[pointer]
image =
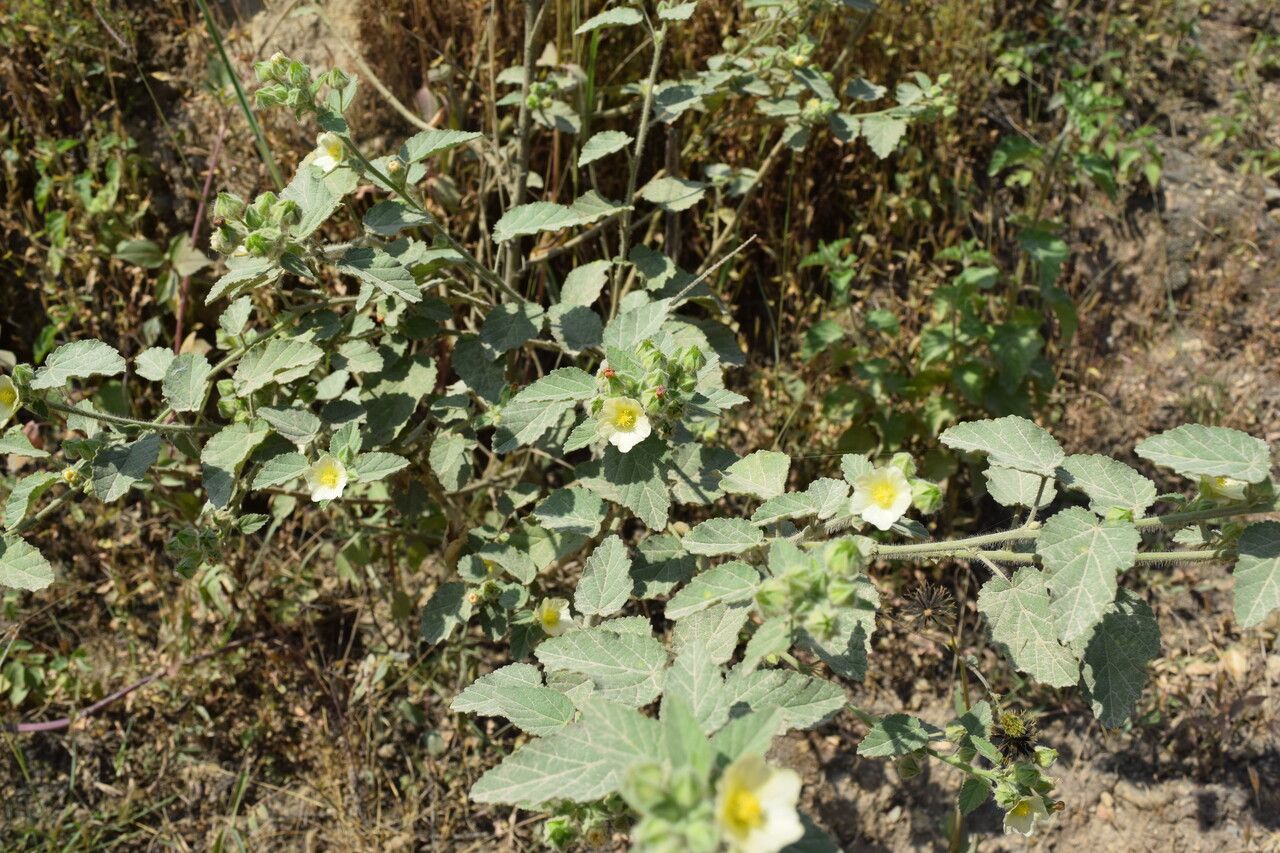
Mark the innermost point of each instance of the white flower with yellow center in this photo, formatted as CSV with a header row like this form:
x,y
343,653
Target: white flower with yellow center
x,y
553,616
881,496
756,806
326,478
1225,487
8,399
1022,818
329,152
624,423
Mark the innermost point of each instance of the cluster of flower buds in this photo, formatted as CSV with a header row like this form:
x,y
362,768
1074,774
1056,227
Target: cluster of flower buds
x,y
540,92
288,82
817,111
677,808
260,229
812,586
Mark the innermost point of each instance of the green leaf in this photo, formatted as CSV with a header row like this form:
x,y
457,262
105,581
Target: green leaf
x,y
565,383
772,638
695,680
231,321
447,608
897,734
1082,557
582,762
22,566
141,253
1019,617
317,196
389,217
625,668
434,141
576,327
630,328
242,274
727,583
1010,487
509,325
1194,450
15,442
534,218
716,628
186,381
973,793
571,510
1108,484
524,421
582,286
677,11
450,459
829,496
516,692
638,476
620,16
1115,661
222,456
369,467
717,536
762,474
600,145
1257,573
153,363
280,360
294,425
748,734
606,579
882,132
790,505
26,492
77,360
696,471
1011,441
804,701
280,469
660,567
673,194
382,270
854,465
481,372
117,468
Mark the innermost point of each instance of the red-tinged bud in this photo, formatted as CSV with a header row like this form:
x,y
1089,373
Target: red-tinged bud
x,y
609,373
660,392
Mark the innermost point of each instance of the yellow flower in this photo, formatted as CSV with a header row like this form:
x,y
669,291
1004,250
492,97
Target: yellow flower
x,y
1225,487
1022,818
329,152
553,616
8,399
624,423
756,806
881,496
326,478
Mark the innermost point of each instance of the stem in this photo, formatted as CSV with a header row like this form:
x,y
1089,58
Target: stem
x,y
120,420
532,16
629,200
972,547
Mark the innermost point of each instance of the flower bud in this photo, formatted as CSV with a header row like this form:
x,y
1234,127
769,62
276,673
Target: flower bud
x,y
228,206
557,832
297,73
1046,756
908,766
